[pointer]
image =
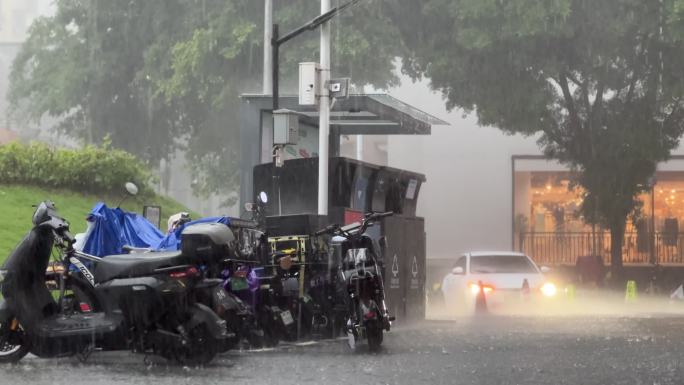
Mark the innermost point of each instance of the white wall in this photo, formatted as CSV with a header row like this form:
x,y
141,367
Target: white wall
x,y
467,198
17,15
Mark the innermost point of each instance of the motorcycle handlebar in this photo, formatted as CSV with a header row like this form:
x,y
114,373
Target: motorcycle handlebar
x,y
368,218
67,237
382,215
326,230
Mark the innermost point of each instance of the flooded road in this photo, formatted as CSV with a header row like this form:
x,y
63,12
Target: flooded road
x,y
643,349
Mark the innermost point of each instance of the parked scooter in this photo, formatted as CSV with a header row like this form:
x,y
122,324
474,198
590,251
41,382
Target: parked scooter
x,y
360,277
268,295
141,303
240,301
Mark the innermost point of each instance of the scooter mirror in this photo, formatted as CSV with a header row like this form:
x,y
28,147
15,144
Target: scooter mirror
x,y
131,188
249,207
263,197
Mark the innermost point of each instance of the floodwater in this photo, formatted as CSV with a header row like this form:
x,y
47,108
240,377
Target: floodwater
x,y
641,346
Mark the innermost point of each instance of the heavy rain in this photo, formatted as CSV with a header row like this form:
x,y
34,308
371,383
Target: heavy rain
x,y
341,191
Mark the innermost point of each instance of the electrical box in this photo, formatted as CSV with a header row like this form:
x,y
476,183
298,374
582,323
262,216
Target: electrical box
x,y
309,83
285,127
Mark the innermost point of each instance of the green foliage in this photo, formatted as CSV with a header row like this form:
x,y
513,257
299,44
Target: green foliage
x,y
16,202
158,75
89,170
601,81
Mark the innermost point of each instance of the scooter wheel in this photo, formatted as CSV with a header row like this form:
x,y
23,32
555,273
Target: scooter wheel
x,y
201,349
13,344
374,335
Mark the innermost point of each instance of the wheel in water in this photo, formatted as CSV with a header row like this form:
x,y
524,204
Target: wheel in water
x,y
201,347
374,335
13,344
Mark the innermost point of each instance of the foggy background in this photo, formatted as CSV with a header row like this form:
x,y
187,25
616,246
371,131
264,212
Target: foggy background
x,y
467,198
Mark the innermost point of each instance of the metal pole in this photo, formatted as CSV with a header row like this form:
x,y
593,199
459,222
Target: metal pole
x,y
275,66
359,147
324,116
268,58
653,229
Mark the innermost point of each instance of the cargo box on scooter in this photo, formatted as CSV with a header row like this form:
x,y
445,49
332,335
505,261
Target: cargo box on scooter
x,y
209,242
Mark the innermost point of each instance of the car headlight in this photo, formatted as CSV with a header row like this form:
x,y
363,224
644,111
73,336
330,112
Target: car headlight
x,y
549,289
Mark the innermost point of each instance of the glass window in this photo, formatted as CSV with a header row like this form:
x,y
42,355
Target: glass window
x,y
501,264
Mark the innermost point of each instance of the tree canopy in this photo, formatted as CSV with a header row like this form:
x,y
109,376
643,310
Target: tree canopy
x,y
600,80
157,75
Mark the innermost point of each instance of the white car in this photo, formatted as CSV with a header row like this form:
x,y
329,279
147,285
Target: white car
x,y
503,276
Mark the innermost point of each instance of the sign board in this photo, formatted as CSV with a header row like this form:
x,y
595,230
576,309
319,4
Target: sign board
x,y
153,214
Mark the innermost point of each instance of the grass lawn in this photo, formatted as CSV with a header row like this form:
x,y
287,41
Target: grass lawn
x,y
16,210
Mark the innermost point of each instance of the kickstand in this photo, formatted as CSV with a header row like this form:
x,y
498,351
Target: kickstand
x,y
85,354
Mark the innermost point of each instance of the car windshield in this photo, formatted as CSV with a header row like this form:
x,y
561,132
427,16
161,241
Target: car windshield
x,y
501,264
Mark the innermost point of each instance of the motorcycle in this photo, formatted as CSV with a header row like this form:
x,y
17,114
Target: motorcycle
x,y
244,298
359,279
145,304
270,294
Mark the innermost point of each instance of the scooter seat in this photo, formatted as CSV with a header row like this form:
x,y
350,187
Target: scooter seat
x,y
94,324
136,265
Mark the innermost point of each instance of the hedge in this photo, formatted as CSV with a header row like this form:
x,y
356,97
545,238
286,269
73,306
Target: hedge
x,y
91,169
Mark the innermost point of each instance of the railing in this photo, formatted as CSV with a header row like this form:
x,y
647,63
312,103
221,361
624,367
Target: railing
x,y
563,248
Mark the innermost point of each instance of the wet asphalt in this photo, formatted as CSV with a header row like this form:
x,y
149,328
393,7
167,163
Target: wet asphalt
x,y
608,349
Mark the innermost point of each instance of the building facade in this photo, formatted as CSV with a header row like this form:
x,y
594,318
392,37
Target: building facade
x,y
488,190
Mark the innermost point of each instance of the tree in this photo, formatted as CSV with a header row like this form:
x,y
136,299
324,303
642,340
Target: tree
x,y
157,75
83,64
600,80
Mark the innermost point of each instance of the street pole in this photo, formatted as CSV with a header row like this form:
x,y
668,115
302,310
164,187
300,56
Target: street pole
x,y
268,59
652,239
324,115
359,147
324,103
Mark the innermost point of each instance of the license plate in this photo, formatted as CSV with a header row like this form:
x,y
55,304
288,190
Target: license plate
x,y
237,284
286,316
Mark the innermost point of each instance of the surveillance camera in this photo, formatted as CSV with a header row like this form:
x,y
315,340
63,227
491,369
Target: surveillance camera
x,y
335,87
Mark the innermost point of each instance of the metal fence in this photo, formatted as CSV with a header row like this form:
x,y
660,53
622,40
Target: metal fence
x,y
563,248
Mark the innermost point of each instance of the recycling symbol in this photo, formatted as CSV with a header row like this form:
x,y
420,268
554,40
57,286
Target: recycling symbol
x,y
395,266
414,267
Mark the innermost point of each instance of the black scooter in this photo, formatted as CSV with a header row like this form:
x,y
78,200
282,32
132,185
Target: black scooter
x,y
359,278
140,303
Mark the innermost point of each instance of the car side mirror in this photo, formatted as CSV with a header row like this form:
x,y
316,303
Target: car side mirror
x,y
544,269
458,270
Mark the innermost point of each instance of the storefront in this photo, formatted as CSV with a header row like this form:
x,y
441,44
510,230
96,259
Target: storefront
x,y
548,224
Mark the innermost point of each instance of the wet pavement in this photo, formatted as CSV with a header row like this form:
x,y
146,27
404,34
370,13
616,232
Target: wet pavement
x,y
639,349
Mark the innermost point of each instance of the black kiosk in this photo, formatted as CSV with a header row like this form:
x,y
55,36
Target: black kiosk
x,y
355,188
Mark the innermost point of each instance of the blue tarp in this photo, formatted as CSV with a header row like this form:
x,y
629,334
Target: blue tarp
x,y
115,228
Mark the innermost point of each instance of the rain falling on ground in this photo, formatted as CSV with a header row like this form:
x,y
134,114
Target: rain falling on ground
x,y
634,343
